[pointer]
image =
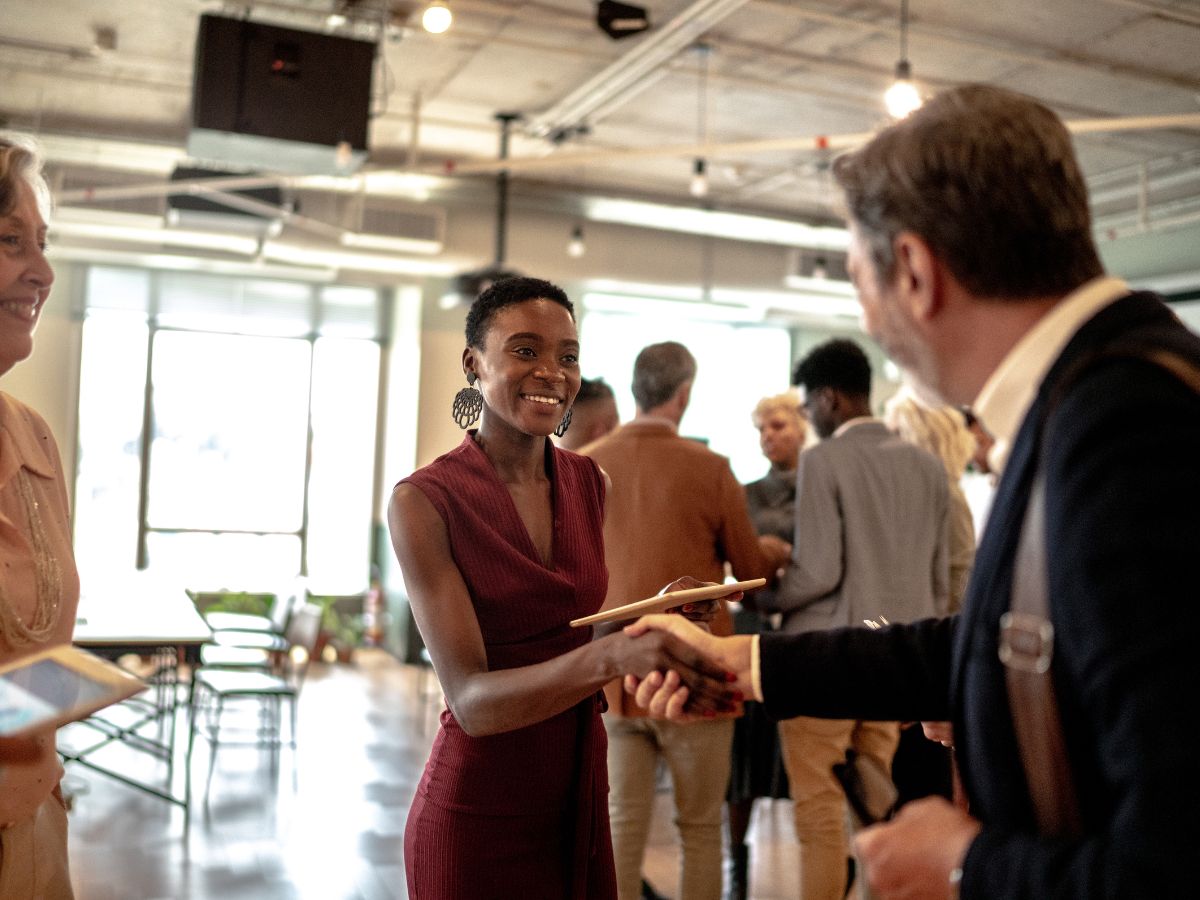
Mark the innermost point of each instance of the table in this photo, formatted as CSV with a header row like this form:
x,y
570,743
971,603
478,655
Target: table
x,y
143,616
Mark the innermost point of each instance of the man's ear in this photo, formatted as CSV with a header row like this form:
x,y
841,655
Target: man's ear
x,y
918,277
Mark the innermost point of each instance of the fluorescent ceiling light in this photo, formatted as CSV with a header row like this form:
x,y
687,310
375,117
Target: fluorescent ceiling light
x,y
643,289
825,286
734,226
142,229
248,268
785,301
364,262
672,309
369,241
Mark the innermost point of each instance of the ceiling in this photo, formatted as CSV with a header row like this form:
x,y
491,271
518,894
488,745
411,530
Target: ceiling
x,y
107,89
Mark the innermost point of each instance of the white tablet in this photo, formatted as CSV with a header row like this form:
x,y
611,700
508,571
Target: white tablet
x,y
56,686
669,600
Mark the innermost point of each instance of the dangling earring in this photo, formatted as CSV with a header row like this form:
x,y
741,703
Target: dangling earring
x,y
565,423
468,403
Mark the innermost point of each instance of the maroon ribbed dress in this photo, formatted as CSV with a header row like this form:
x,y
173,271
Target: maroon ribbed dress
x,y
522,814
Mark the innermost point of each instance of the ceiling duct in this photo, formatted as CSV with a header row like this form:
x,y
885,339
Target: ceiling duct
x,y
247,211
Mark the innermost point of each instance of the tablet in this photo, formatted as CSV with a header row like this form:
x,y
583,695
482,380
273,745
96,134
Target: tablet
x,y
56,686
668,601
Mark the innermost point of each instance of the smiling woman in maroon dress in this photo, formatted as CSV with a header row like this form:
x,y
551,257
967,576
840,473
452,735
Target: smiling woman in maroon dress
x,y
501,546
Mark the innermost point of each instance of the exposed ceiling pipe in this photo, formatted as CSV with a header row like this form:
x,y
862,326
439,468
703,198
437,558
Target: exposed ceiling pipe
x,y
658,47
820,143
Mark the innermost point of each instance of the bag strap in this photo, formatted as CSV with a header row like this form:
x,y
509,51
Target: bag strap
x,y
1027,646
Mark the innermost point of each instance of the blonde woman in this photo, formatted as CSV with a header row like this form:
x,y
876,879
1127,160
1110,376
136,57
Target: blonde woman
x,y
943,432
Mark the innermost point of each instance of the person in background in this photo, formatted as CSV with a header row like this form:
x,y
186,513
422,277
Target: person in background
x,y
942,431
870,544
924,767
39,584
500,542
593,416
979,481
757,766
674,507
972,248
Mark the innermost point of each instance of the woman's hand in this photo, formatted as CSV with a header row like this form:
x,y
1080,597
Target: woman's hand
x,y
702,612
665,696
699,686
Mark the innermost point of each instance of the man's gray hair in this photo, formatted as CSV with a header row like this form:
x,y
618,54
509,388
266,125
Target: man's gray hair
x,y
658,372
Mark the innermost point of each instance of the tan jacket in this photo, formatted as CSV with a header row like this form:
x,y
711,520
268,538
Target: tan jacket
x,y
675,509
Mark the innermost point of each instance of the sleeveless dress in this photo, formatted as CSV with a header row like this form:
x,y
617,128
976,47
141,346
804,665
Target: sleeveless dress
x,y
524,813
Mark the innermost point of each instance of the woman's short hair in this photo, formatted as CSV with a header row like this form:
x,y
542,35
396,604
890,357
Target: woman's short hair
x,y
989,179
506,292
21,162
787,403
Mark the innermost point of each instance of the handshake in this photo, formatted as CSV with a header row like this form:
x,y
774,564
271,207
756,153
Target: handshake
x,y
678,670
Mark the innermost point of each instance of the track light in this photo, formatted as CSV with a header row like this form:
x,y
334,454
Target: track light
x,y
576,247
902,97
437,17
699,186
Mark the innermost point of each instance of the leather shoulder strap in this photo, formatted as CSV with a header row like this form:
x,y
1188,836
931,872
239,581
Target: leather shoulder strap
x,y
1027,644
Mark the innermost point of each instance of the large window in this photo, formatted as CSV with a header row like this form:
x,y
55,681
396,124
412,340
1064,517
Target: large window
x,y
260,400
737,365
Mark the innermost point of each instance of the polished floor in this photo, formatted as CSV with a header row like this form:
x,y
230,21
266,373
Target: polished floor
x,y
327,821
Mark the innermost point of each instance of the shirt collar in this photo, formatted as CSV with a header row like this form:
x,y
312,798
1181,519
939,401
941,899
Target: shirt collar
x,y
851,423
1010,390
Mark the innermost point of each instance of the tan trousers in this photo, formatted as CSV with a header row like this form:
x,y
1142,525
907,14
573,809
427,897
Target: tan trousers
x,y
33,855
811,747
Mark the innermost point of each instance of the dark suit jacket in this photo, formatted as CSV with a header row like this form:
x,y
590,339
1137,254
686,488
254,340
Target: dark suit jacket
x,y
1120,454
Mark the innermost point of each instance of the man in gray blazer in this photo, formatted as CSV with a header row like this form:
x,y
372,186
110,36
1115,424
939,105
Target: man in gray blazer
x,y
870,545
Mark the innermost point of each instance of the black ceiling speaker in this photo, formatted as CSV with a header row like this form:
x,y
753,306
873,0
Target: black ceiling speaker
x,y
279,99
620,20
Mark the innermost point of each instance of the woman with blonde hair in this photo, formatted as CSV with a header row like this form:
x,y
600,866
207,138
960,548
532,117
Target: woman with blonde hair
x,y
757,769
943,432
39,587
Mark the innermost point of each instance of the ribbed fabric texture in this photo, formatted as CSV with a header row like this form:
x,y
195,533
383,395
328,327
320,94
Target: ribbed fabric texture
x,y
522,813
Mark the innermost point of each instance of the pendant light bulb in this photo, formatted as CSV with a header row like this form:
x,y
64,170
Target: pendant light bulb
x,y
437,18
576,247
902,97
699,186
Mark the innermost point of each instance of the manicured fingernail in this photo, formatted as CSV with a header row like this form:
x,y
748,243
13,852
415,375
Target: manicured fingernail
x,y
738,697
731,676
708,713
688,607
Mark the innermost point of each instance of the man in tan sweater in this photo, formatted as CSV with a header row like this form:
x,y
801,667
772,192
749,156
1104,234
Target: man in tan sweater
x,y
675,509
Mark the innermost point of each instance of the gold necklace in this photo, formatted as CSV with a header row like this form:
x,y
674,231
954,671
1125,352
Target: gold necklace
x,y
48,576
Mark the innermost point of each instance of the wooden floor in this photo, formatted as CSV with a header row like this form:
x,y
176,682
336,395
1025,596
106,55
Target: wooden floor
x,y
329,823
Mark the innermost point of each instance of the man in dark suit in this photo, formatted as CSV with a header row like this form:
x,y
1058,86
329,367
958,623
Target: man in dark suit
x,y
972,251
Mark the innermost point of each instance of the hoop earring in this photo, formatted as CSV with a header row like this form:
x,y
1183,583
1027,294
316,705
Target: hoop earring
x,y
565,423
468,404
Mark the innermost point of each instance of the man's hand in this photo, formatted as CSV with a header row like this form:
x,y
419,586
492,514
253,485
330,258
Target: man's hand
x,y
912,856
659,692
777,551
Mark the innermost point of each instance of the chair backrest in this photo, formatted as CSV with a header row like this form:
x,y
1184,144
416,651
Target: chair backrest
x,y
304,629
286,603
